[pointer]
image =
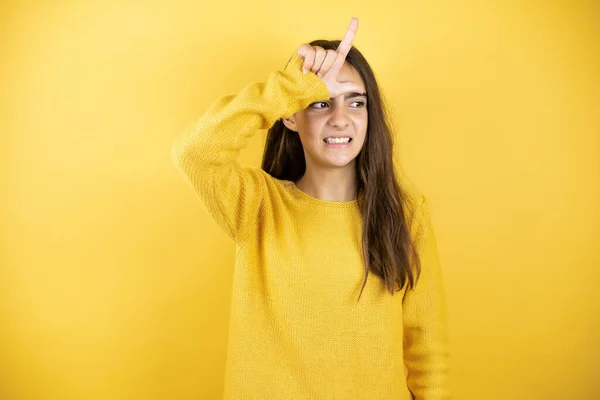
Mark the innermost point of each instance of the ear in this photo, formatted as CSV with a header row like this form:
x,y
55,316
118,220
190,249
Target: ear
x,y
290,123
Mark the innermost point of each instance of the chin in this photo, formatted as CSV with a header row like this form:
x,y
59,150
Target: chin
x,y
339,161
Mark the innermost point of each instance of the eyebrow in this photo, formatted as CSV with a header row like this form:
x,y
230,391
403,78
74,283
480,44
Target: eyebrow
x,y
353,95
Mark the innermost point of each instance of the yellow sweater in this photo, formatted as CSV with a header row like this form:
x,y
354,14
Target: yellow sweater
x,y
296,329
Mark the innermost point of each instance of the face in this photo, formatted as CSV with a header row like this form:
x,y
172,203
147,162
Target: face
x,y
343,116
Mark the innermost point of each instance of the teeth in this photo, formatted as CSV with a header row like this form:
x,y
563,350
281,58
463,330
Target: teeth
x,y
337,140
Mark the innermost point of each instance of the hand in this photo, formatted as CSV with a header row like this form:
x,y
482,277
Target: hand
x,y
327,63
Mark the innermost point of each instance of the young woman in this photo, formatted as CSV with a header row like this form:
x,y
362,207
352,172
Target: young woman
x,y
323,212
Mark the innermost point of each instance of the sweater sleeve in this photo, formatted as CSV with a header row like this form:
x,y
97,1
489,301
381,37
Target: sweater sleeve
x,y
207,152
426,342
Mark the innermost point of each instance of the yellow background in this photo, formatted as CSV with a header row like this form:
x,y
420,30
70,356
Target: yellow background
x,y
114,281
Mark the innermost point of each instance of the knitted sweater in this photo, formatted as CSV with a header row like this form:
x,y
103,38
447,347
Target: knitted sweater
x,y
296,329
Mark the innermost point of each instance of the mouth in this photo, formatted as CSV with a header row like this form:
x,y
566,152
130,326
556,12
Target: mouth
x,y
337,141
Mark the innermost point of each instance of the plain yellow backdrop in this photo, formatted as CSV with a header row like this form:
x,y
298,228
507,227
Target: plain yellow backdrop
x,y
114,281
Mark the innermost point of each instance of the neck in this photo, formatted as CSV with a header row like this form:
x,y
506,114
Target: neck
x,y
334,184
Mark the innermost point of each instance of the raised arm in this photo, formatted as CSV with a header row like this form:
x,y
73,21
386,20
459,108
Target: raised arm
x,y
207,152
426,343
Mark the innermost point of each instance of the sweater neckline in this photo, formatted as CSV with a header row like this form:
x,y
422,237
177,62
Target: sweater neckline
x,y
314,200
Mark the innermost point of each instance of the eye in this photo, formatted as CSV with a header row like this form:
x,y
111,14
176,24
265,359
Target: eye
x,y
360,103
313,105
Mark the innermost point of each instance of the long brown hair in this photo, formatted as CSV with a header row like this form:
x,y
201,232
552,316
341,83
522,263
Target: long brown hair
x,y
387,245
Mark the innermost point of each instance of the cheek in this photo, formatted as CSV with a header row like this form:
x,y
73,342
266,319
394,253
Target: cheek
x,y
310,129
361,126
361,122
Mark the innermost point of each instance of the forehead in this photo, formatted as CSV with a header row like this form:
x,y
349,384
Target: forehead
x,y
349,74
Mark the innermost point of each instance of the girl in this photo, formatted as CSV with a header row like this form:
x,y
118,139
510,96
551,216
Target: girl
x,y
323,212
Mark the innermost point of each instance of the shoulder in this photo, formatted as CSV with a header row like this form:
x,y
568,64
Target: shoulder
x,y
413,201
269,185
417,211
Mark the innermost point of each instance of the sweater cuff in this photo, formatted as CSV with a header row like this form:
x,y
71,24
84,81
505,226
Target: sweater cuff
x,y
316,89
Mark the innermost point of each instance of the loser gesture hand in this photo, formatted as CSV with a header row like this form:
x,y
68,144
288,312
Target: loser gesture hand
x,y
326,64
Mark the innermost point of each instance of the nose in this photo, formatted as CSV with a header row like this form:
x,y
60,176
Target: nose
x,y
339,117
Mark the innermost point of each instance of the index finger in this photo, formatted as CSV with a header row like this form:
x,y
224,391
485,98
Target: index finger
x,y
346,43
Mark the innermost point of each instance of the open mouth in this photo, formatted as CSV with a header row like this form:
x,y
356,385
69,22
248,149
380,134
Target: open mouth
x,y
338,140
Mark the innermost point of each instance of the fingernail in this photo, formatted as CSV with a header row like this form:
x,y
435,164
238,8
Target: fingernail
x,y
304,71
